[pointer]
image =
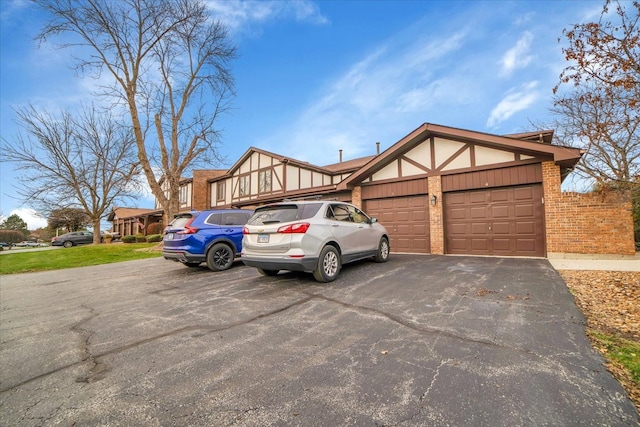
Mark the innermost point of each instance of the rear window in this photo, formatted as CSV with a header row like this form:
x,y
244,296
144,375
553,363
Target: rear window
x,y
283,213
180,221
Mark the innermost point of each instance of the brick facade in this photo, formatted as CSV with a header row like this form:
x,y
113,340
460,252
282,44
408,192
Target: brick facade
x,y
201,191
580,223
436,228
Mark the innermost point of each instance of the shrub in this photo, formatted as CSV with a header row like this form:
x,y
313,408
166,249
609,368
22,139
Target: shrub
x,y
128,239
11,236
153,238
154,228
140,238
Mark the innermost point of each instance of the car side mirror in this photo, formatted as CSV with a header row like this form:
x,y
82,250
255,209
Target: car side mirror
x,y
374,220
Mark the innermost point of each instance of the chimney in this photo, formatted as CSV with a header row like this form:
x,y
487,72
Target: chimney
x,y
340,155
377,148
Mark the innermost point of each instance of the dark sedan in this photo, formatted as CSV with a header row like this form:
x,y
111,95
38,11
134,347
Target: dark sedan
x,y
72,239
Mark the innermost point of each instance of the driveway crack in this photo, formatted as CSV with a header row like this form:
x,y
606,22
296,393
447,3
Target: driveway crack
x,y
415,327
97,370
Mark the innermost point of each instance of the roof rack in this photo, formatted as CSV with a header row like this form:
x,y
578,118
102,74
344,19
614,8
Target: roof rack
x,y
313,197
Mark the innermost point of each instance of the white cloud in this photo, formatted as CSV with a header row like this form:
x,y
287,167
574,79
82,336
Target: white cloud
x,y
362,106
240,15
514,101
518,56
31,217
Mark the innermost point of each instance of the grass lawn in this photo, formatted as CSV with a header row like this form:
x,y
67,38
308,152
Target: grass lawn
x,y
77,256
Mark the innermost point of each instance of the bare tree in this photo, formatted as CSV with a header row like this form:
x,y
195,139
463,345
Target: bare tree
x,y
606,53
169,61
86,162
606,127
601,113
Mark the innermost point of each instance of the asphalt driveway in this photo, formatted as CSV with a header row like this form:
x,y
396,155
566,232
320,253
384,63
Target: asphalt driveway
x,y
418,341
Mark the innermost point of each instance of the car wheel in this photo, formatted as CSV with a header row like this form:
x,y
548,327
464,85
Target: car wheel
x,y
268,272
383,250
220,257
328,265
192,264
67,244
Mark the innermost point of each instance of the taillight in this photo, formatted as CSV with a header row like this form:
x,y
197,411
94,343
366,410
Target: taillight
x,y
245,230
299,227
188,229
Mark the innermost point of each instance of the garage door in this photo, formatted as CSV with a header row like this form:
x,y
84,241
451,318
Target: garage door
x,y
501,221
406,219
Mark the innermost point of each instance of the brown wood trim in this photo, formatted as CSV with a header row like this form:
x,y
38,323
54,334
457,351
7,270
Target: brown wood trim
x,y
453,156
414,163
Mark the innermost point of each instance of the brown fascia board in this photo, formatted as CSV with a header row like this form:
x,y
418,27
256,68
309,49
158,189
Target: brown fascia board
x,y
565,156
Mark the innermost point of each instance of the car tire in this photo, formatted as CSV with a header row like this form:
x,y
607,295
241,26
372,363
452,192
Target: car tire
x,y
220,257
383,250
329,265
268,272
192,264
67,244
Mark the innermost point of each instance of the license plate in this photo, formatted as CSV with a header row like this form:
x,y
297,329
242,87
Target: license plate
x,y
263,238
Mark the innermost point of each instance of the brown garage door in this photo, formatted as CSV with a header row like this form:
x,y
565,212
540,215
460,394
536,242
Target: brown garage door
x,y
500,221
406,219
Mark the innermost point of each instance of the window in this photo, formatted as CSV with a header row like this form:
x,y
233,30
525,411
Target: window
x,y
243,186
235,218
183,195
264,181
220,189
357,215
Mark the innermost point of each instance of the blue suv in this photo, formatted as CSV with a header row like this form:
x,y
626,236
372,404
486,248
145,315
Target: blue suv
x,y
212,236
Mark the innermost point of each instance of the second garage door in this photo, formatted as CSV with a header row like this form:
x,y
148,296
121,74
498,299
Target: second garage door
x,y
406,219
500,221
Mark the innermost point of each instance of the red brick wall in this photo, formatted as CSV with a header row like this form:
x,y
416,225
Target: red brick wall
x,y
201,192
585,223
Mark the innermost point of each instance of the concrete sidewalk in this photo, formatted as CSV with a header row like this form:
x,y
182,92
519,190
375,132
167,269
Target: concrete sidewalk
x,y
595,262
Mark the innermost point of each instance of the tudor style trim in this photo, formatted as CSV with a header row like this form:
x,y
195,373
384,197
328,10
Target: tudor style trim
x,y
461,141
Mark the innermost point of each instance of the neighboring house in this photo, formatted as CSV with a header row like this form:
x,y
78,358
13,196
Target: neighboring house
x,y
443,190
131,221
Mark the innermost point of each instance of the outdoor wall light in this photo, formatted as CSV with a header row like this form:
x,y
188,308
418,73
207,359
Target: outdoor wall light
x,y
434,200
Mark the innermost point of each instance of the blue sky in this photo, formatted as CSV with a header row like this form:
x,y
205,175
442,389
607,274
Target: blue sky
x,y
314,77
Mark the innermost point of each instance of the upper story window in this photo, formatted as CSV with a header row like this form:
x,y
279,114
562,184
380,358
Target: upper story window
x,y
243,185
184,195
220,190
264,181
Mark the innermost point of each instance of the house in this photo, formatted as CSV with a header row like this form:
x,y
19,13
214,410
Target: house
x,y
444,190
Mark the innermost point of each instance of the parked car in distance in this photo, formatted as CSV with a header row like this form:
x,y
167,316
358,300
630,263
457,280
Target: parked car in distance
x,y
72,239
27,244
311,236
211,236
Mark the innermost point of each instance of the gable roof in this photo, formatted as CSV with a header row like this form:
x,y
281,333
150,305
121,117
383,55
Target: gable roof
x,y
525,142
348,165
127,213
335,168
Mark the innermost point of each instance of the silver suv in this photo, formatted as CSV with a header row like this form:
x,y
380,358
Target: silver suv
x,y
311,236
